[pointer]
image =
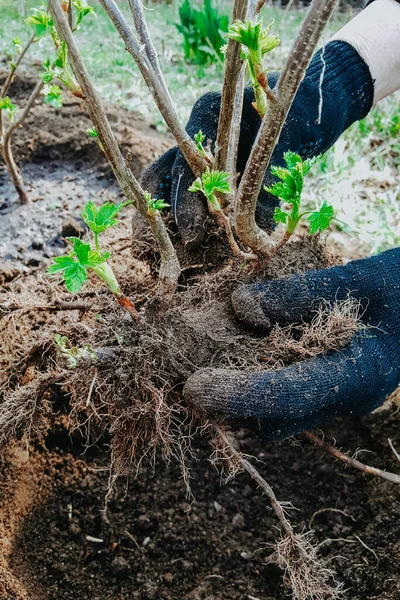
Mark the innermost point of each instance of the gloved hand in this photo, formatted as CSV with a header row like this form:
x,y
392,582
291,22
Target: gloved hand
x,y
353,381
337,90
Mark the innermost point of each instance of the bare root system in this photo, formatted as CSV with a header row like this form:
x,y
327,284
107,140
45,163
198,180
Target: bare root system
x,y
131,395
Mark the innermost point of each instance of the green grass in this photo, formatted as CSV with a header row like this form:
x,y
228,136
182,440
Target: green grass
x,y
114,71
359,176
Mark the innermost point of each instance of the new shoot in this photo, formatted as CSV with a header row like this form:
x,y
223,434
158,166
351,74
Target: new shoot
x,y
73,354
256,42
289,190
82,258
211,183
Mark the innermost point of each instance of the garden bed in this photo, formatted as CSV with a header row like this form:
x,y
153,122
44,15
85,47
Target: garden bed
x,y
155,542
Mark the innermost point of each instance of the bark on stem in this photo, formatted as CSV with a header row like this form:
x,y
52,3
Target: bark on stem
x,y
6,149
254,7
233,65
170,268
272,124
144,35
15,173
352,462
197,163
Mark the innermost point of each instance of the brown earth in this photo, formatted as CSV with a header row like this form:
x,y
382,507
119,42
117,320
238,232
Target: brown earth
x,y
155,542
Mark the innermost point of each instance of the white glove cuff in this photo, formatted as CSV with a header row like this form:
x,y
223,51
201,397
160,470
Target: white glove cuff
x,y
375,34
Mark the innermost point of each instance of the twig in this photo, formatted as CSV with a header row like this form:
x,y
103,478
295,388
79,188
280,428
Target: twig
x,y
58,305
139,19
13,69
6,150
170,268
233,65
5,136
352,462
272,124
197,162
70,23
253,9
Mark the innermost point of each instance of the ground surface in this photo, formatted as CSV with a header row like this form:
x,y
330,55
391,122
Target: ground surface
x,y
160,545
156,544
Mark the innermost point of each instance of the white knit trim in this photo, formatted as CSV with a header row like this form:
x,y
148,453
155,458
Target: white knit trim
x,y
375,34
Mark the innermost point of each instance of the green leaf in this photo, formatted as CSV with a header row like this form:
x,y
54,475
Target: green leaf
x,y
8,106
199,139
74,277
281,172
292,159
284,191
61,56
196,186
100,219
320,220
255,39
17,44
92,132
74,266
280,216
83,9
215,182
74,274
53,95
59,264
41,21
308,163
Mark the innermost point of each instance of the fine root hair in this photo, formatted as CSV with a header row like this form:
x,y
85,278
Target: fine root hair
x,y
331,328
307,575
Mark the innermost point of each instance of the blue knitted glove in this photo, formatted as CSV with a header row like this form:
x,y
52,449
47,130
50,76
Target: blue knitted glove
x,y
354,381
347,94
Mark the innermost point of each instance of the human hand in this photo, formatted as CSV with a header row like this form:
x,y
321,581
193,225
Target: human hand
x,y
353,381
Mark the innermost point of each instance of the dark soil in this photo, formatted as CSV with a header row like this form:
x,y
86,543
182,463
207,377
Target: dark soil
x,y
160,545
155,543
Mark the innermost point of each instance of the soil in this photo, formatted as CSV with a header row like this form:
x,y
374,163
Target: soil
x,y
154,541
63,168
158,544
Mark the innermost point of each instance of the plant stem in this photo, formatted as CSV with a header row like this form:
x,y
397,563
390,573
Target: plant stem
x,y
254,7
96,242
233,65
272,124
10,78
223,221
142,30
170,268
20,58
14,172
6,150
126,304
70,23
197,163
352,462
